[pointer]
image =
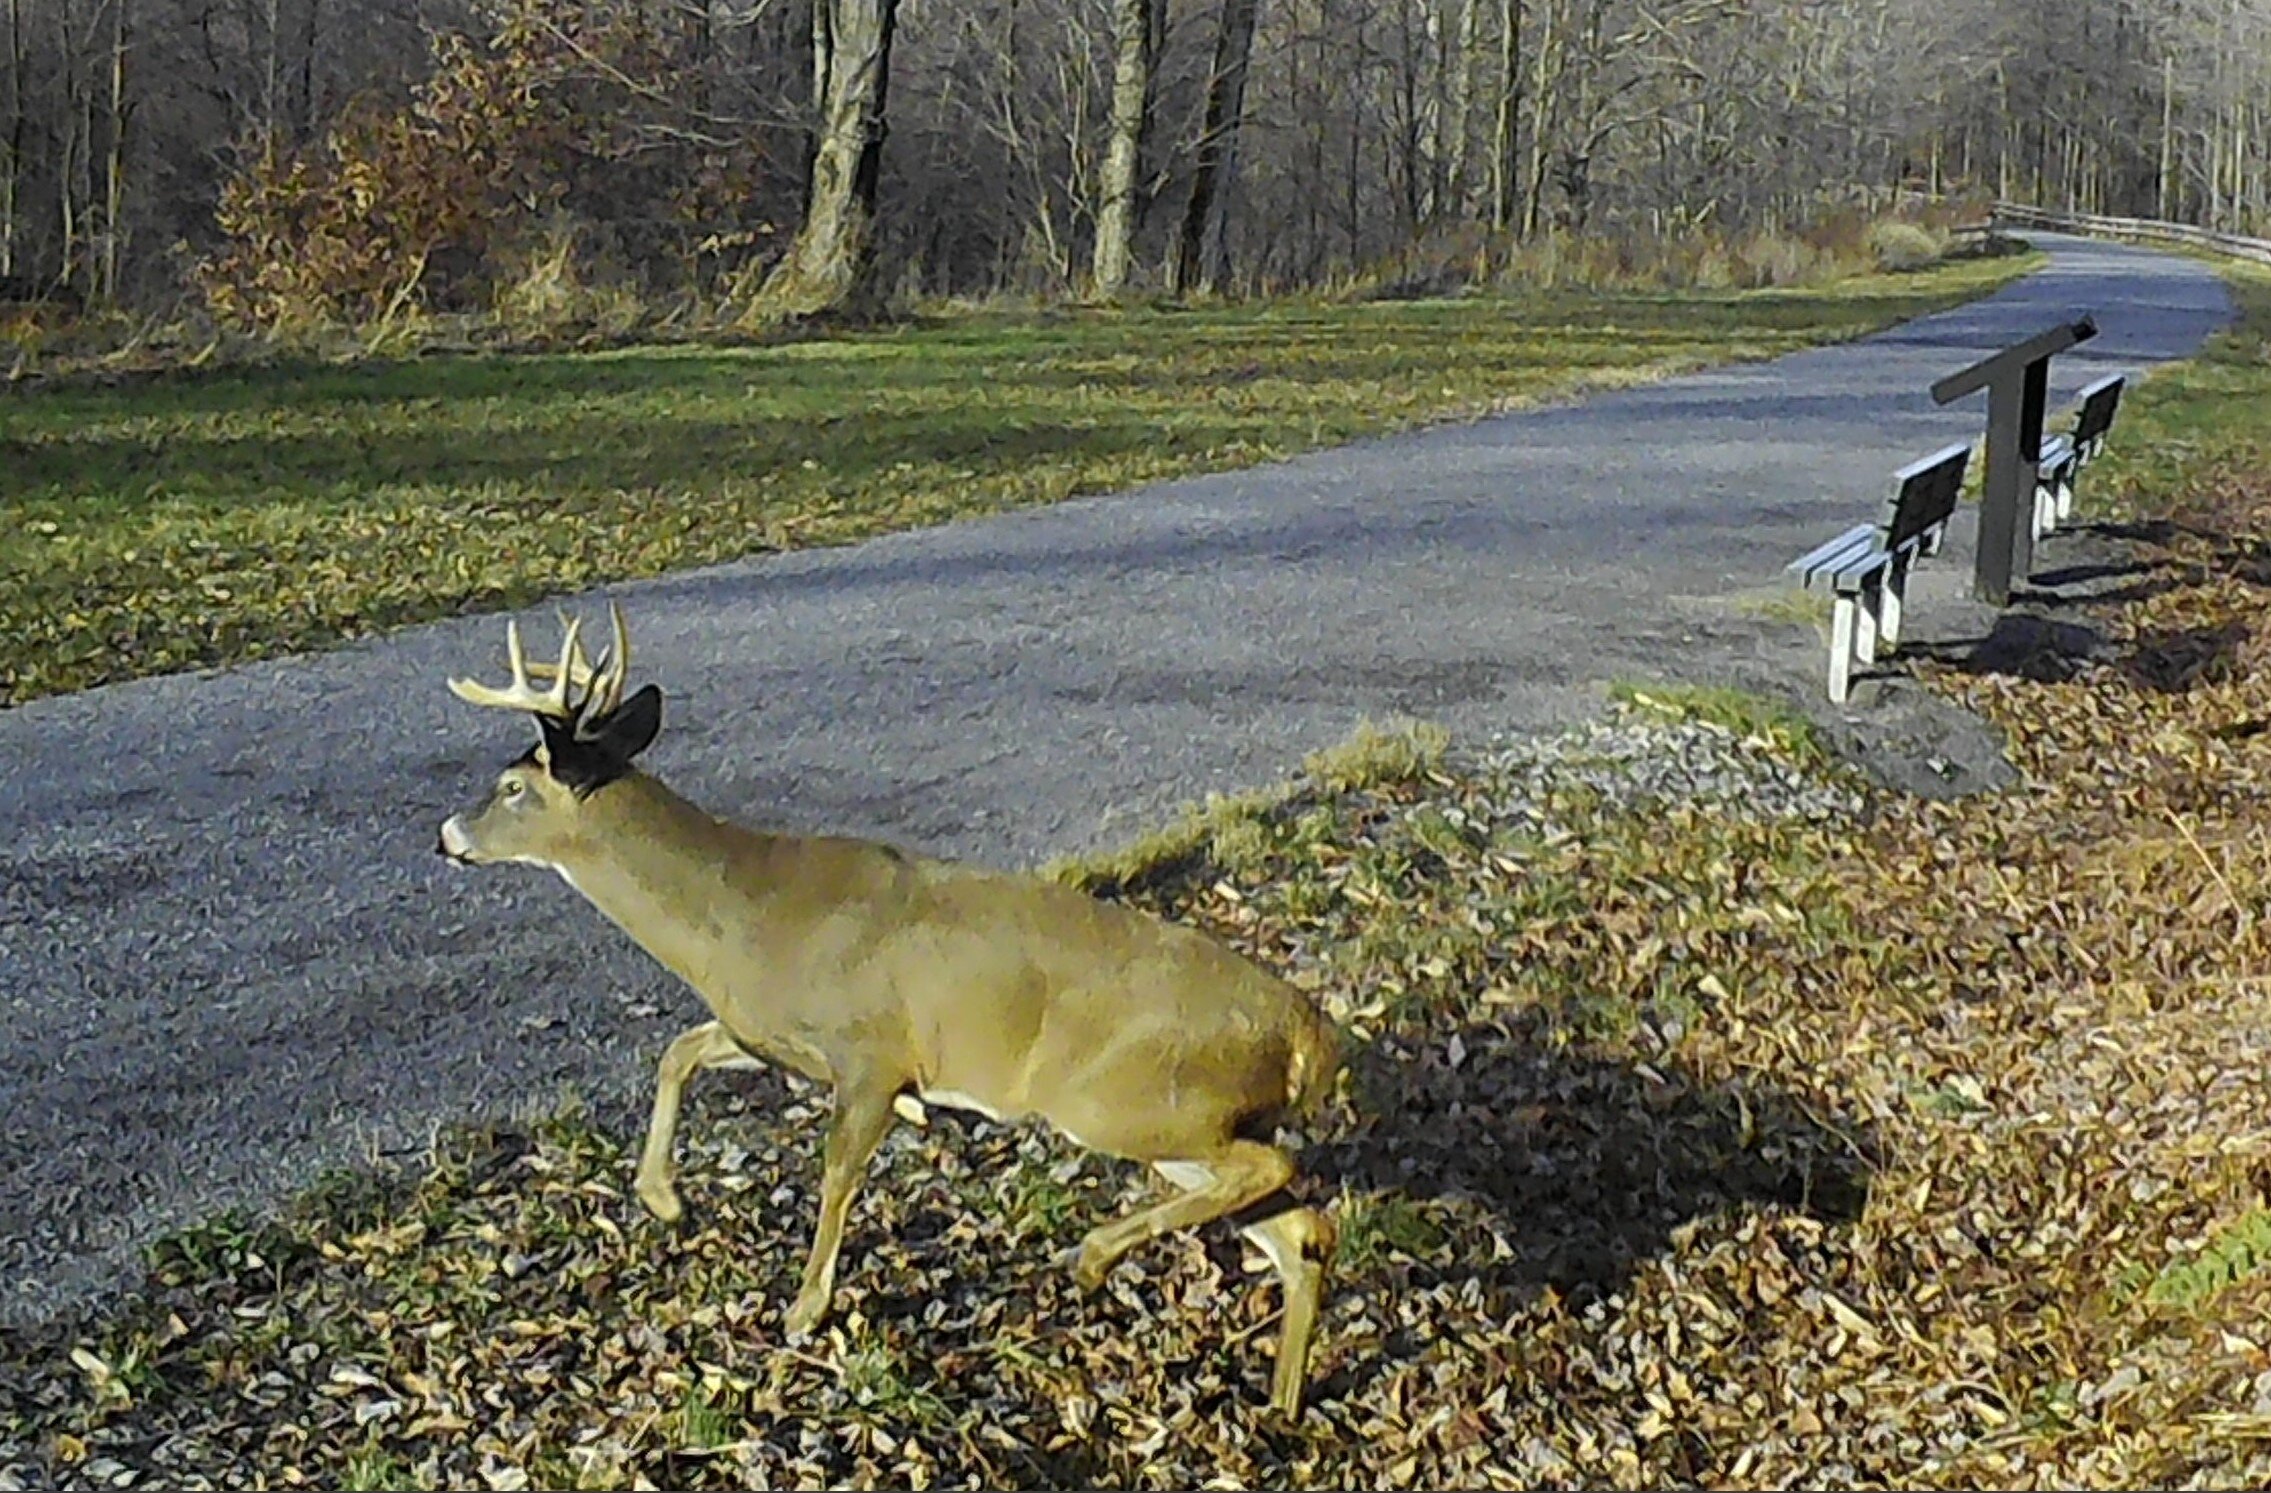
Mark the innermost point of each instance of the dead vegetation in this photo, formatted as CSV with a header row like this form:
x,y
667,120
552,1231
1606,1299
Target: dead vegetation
x,y
1688,1144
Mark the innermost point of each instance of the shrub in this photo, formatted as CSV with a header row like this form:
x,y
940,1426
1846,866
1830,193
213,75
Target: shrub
x,y
395,206
1776,259
1896,245
549,291
522,154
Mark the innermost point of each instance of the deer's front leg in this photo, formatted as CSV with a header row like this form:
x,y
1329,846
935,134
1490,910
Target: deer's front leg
x,y
706,1046
862,1118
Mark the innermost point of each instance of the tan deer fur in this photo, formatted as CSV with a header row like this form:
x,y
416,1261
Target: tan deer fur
x,y
889,975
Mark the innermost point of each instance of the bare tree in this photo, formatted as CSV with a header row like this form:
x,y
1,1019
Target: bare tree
x,y
1458,109
1194,268
114,160
1030,137
831,264
1134,23
1505,113
17,138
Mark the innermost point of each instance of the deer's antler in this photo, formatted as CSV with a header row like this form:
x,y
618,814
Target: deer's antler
x,y
578,692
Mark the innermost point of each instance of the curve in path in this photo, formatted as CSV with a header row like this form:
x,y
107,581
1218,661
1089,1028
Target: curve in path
x,y
229,956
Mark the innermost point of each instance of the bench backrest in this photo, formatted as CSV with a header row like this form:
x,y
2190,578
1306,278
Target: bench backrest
x,y
1925,495
2099,401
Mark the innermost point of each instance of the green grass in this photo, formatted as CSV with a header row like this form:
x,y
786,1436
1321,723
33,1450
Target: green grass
x,y
1376,1227
198,519
2208,418
1234,831
1736,710
2234,1252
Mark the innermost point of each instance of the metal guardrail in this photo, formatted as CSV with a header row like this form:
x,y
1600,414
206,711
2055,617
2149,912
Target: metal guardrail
x,y
2143,230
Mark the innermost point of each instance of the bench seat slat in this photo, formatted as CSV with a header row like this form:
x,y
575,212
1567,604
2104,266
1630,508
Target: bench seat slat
x,y
1854,572
1831,564
1846,540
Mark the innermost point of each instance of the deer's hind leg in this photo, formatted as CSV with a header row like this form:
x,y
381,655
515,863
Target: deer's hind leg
x,y
1298,1241
1242,1173
863,1114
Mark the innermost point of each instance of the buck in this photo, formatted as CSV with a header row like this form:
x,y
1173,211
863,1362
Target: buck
x,y
900,981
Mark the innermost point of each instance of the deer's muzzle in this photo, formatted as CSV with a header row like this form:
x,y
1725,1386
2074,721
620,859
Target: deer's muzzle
x,y
454,842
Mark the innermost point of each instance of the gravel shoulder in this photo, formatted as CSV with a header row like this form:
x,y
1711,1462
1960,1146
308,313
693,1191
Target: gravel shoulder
x,y
229,958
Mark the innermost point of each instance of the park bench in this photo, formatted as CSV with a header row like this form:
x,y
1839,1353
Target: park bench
x,y
1866,568
2065,455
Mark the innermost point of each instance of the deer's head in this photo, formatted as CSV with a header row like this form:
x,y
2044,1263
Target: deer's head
x,y
587,736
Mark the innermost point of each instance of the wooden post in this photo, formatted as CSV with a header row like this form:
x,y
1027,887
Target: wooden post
x,y
2017,381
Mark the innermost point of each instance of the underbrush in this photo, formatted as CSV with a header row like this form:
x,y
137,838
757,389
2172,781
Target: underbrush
x,y
1677,256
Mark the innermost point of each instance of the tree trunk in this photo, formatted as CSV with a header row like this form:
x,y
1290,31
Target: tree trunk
x,y
808,39
1354,185
271,71
1194,269
1458,132
1131,108
1505,119
2003,136
1427,107
19,121
305,117
114,163
70,196
831,265
1542,86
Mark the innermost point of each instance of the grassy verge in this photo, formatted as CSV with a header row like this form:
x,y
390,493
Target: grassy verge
x,y
1704,1130
202,519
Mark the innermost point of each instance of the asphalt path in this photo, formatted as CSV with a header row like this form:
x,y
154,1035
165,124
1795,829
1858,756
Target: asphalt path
x,y
230,958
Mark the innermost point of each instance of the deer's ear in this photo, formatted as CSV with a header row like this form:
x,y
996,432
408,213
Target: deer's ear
x,y
556,741
630,728
585,759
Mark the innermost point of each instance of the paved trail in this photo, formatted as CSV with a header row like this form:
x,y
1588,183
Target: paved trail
x,y
229,955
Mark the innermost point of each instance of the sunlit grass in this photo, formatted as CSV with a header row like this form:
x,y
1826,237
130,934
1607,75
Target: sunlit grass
x,y
197,519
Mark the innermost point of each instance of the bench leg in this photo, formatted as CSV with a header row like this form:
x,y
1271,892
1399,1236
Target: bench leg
x,y
2066,497
1866,617
1895,598
1841,649
2045,506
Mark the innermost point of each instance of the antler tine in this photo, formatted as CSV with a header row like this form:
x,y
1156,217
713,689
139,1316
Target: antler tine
x,y
522,693
615,664
603,684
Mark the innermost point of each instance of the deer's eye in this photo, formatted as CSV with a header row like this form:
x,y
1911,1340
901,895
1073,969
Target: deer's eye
x,y
513,788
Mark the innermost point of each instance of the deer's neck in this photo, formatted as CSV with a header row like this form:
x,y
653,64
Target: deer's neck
x,y
679,880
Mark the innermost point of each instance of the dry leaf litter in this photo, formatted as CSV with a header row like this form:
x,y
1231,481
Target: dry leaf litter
x,y
1712,1123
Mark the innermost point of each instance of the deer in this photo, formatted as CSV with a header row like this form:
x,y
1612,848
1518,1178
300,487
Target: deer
x,y
899,980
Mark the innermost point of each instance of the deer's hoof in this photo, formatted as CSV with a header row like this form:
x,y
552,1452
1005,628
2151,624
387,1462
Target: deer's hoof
x,y
661,1199
804,1315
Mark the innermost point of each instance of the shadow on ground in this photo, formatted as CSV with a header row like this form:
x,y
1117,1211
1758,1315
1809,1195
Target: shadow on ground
x,y
1589,1164
2041,636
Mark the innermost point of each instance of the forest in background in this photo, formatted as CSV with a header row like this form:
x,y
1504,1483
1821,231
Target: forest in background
x,y
289,162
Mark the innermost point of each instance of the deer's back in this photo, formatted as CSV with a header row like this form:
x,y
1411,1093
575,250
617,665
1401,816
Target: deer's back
x,y
1030,996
